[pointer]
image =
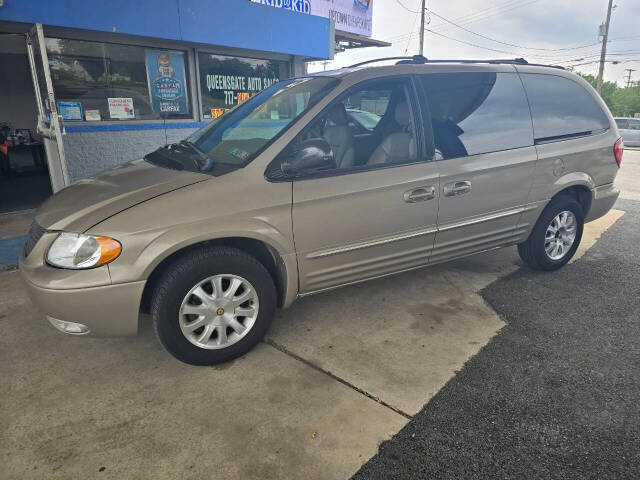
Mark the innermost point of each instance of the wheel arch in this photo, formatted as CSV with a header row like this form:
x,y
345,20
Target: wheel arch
x,y
282,274
579,186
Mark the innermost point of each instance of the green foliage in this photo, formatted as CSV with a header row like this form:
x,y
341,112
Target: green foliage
x,y
626,101
623,102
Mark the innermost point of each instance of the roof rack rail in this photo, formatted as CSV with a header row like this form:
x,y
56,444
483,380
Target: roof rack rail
x,y
419,59
519,61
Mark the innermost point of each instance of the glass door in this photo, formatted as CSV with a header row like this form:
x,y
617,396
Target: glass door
x,y
50,124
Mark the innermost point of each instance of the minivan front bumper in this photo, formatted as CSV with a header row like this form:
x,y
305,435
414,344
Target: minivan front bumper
x,y
604,197
110,310
83,297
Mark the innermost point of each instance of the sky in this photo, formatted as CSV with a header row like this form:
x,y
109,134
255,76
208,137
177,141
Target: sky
x,y
541,31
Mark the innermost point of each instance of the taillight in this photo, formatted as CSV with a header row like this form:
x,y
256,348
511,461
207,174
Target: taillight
x,y
618,150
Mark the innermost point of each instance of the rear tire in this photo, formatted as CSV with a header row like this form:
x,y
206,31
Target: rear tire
x,y
212,282
548,250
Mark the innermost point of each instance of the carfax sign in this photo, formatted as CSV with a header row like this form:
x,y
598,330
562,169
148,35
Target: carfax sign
x,y
349,15
167,86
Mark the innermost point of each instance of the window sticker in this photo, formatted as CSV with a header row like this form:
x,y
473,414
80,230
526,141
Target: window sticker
x,y
70,111
121,108
238,153
92,115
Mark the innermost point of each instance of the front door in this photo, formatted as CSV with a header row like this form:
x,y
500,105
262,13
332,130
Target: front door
x,y
49,123
484,145
375,213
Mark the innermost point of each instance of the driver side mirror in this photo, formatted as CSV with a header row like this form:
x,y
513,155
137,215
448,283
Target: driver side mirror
x,y
314,155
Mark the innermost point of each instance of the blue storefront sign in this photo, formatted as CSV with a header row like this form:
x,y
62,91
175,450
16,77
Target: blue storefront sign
x,y
167,85
70,111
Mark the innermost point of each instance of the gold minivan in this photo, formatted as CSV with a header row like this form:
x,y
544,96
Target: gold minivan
x,y
323,181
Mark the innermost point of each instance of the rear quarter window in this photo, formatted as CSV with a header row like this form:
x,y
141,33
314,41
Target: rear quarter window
x,y
561,107
477,112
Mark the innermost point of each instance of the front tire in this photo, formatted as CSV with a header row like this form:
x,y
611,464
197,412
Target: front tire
x,y
556,235
212,305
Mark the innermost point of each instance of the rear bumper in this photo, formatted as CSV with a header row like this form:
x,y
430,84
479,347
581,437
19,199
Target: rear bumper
x,y
604,197
110,310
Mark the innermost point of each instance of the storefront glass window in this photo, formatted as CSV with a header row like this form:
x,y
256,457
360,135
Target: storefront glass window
x,y
103,81
227,81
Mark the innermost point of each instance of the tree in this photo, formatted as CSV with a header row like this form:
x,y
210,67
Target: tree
x,y
626,101
607,91
623,102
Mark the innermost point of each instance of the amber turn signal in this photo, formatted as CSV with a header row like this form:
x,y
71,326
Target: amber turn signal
x,y
109,249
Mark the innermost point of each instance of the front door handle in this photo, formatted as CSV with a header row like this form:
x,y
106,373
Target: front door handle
x,y
457,188
421,194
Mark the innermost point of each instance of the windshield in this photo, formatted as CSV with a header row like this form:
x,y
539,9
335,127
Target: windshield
x,y
237,137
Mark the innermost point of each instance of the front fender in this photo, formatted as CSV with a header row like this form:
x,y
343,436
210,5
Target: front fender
x,y
155,247
143,252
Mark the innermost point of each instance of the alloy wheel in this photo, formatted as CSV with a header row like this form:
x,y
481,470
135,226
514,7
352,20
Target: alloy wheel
x,y
218,311
560,235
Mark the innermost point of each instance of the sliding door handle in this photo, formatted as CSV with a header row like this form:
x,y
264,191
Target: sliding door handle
x,y
457,188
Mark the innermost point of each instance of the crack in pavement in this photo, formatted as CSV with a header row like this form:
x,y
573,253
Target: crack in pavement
x,y
284,350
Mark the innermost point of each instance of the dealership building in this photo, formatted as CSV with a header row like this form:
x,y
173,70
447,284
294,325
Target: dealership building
x,y
88,85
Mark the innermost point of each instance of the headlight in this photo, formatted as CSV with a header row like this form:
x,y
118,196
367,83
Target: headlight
x,y
77,251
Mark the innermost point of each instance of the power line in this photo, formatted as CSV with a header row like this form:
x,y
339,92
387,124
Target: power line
x,y
487,13
472,17
406,8
564,55
615,62
507,43
469,43
509,52
559,58
415,19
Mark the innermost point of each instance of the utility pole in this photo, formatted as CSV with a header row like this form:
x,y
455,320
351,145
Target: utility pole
x,y
603,53
422,14
630,70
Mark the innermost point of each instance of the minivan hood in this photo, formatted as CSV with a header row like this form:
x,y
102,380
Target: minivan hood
x,y
88,202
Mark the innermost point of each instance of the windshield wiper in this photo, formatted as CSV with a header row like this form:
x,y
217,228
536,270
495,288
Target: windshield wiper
x,y
206,162
194,148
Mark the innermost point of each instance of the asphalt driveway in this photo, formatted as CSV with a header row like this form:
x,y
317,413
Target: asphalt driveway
x,y
556,394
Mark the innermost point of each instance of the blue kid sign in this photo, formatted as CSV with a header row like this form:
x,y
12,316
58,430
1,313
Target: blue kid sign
x,y
167,87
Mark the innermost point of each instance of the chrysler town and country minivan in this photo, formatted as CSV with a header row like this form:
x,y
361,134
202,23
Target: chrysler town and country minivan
x,y
288,194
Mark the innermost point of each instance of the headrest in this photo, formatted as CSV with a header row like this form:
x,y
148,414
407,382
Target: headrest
x,y
338,115
402,114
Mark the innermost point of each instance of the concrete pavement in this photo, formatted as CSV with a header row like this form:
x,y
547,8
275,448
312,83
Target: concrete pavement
x,y
628,179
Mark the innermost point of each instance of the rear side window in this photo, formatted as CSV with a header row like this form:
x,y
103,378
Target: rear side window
x,y
622,122
561,108
477,112
634,125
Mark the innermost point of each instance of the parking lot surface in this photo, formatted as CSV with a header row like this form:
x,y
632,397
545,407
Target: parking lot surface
x,y
555,395
338,373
